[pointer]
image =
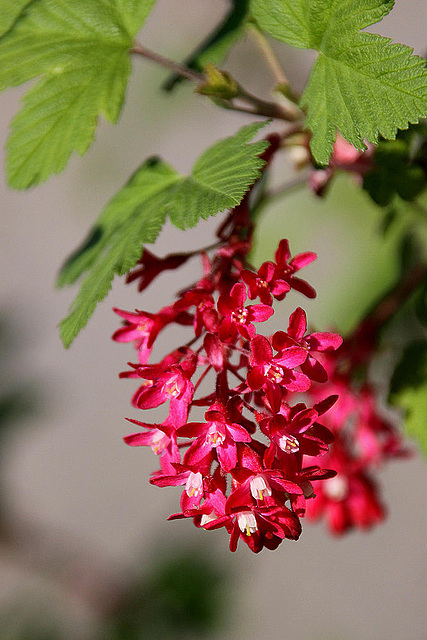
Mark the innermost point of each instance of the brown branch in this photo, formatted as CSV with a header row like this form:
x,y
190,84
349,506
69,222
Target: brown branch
x,y
268,54
259,106
177,68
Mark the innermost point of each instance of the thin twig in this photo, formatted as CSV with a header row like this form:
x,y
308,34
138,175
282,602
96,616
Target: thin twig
x,y
284,189
179,69
271,109
260,107
269,55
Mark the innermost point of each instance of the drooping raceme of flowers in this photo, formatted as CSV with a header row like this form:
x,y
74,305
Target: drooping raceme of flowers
x,y
242,463
256,459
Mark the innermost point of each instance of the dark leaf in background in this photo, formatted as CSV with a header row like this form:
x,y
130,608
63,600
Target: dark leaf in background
x,y
400,167
421,304
183,596
388,221
408,390
16,405
379,186
216,46
18,396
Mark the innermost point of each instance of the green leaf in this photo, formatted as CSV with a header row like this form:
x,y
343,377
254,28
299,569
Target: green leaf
x,y
220,178
361,84
218,181
80,50
134,13
9,12
217,45
408,390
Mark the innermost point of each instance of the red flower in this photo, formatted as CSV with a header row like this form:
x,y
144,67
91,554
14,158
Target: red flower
x,y
265,283
152,266
143,328
296,430
206,316
287,266
162,440
259,527
229,478
217,433
237,317
349,500
257,486
295,336
276,370
163,385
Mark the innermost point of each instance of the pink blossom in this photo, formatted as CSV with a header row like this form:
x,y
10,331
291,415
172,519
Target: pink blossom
x,y
162,385
296,336
162,440
265,284
287,266
217,433
277,370
237,317
256,489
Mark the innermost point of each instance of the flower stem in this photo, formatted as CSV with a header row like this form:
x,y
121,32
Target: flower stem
x,y
202,377
271,109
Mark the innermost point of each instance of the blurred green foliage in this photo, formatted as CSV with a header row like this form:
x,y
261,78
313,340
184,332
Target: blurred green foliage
x,y
400,167
182,596
408,390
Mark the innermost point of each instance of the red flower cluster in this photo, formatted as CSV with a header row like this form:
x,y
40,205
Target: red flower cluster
x,y
243,465
364,440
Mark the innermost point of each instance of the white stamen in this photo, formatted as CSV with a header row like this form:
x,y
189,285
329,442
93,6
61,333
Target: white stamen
x,y
247,522
260,488
194,485
262,283
289,444
207,517
240,315
171,387
273,372
156,442
142,326
215,437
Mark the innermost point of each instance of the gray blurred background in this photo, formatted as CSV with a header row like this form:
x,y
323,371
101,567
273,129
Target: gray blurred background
x,y
85,519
